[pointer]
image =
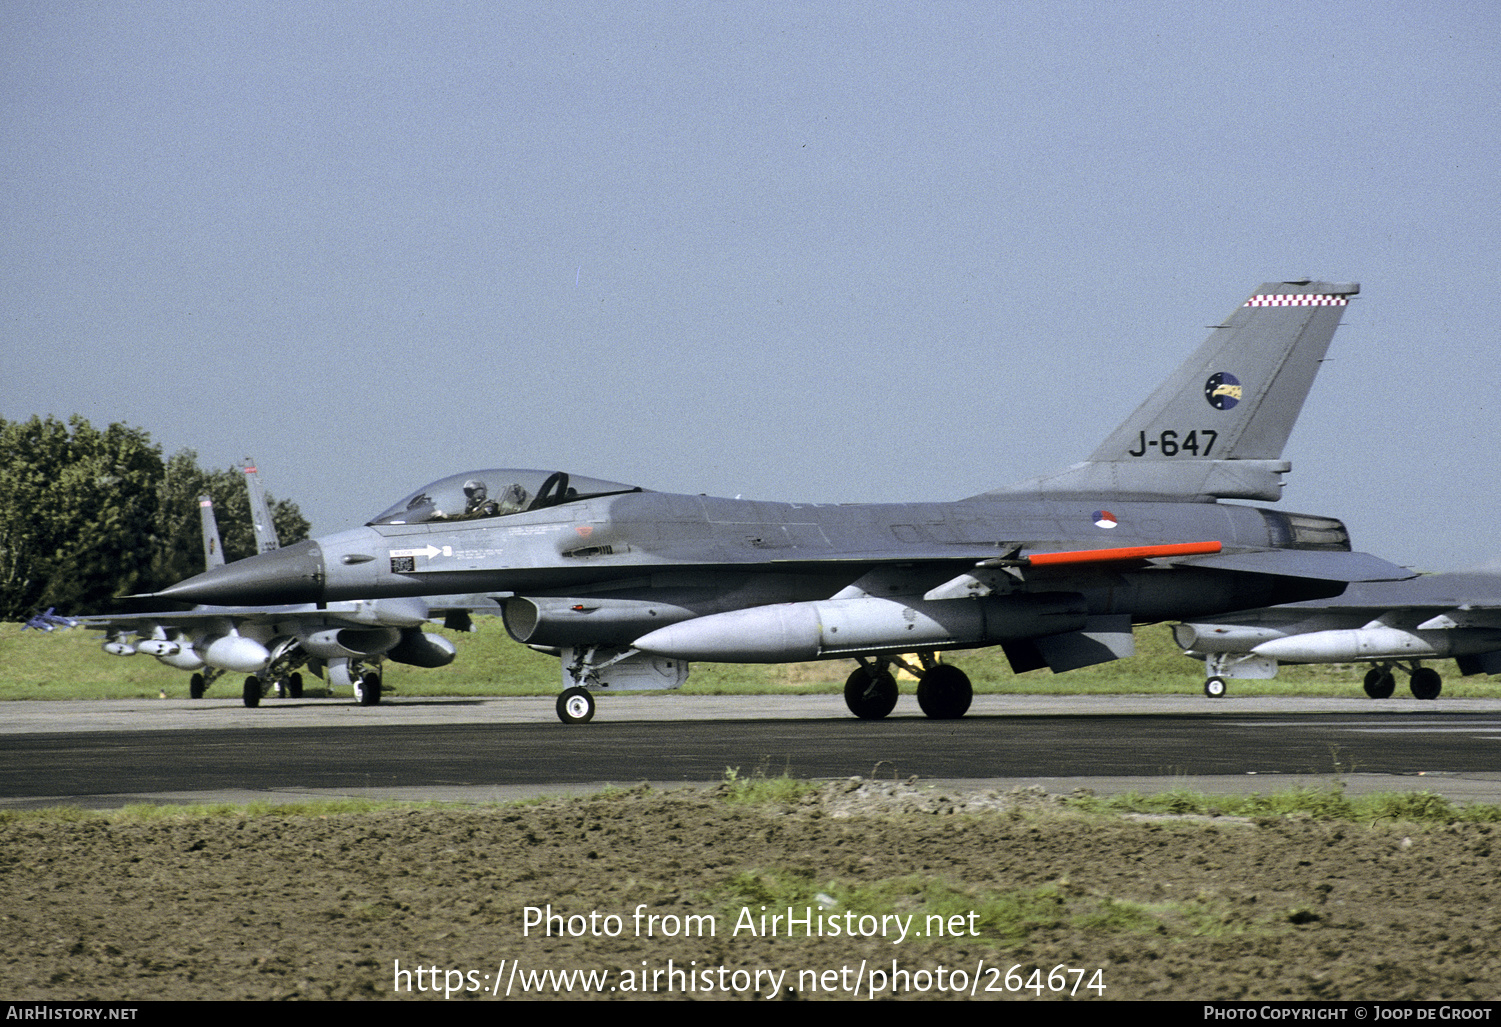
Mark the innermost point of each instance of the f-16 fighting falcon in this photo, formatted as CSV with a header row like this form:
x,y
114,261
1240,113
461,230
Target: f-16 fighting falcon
x,y
1391,624
627,586
345,642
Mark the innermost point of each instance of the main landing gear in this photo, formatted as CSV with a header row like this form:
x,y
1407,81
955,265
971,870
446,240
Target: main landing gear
x,y
288,687
943,691
1425,683
1380,683
870,693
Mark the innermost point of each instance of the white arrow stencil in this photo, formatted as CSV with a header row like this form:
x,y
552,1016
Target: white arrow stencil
x,y
428,551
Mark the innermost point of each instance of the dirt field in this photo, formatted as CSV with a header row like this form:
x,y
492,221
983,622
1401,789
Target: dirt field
x,y
342,906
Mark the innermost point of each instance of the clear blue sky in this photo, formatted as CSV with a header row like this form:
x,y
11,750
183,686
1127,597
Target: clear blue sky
x,y
801,251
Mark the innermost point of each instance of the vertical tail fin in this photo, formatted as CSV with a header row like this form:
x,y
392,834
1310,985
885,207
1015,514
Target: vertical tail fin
x,y
1216,428
260,511
213,549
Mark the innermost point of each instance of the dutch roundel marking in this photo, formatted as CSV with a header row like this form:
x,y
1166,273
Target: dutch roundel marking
x,y
1104,519
1222,390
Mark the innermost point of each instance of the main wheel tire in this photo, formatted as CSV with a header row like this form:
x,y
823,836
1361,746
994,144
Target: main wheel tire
x,y
196,686
870,697
576,706
1380,683
1215,688
944,693
252,693
294,686
1426,684
368,690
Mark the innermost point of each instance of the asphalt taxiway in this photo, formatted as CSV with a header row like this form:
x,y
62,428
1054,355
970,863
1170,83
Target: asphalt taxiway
x,y
108,753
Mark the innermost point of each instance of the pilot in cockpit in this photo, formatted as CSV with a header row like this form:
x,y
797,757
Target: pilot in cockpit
x,y
476,502
513,499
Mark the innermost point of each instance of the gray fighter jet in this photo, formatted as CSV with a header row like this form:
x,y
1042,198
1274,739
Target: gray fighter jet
x,y
1391,624
344,642
628,586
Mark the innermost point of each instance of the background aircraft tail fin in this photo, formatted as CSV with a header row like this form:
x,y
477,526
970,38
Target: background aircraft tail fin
x,y
1216,428
260,512
213,549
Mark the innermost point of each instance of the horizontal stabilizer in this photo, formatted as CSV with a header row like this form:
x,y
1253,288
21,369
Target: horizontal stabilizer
x,y
1485,663
1484,617
1304,563
1101,640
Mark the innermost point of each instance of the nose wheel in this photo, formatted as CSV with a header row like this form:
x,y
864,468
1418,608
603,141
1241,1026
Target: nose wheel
x,y
367,688
576,706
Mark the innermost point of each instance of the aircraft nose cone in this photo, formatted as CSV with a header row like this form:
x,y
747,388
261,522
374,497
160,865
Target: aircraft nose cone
x,y
293,574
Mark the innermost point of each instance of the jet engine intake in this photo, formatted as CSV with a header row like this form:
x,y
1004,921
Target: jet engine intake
x,y
350,643
423,649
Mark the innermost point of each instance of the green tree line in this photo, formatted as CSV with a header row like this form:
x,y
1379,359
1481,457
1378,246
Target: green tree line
x,y
89,515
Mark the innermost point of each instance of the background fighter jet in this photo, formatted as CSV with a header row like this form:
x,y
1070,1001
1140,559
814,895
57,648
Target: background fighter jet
x,y
627,585
1392,624
344,642
48,620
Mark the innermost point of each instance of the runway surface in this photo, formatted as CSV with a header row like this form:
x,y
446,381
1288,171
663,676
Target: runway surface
x,y
109,753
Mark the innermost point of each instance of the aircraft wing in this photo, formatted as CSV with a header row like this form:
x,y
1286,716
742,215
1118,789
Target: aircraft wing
x,y
399,613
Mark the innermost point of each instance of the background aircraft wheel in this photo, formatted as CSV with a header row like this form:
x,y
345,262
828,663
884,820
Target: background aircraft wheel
x,y
944,693
367,690
576,706
1426,684
870,698
1380,683
196,686
1215,688
252,691
294,686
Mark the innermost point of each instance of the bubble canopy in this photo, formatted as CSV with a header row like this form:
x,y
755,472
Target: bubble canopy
x,y
495,493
